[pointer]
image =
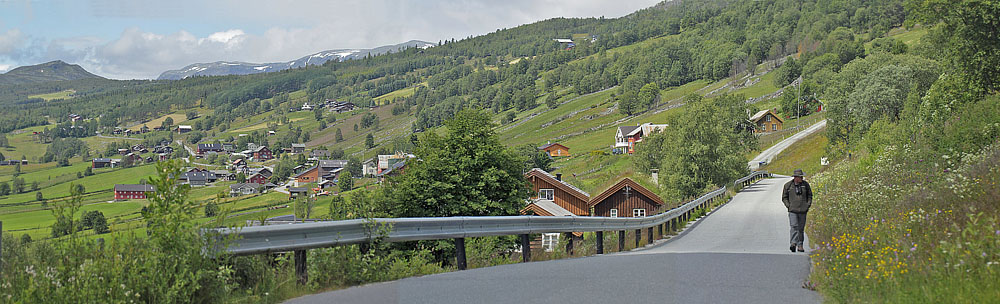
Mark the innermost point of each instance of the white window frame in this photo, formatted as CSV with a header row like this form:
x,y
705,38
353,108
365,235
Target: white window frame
x,y
767,117
613,213
549,241
639,212
774,127
551,194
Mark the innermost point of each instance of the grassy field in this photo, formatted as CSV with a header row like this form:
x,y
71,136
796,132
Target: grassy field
x,y
178,118
99,182
55,95
401,93
803,155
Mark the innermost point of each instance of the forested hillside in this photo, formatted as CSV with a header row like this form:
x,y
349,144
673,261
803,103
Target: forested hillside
x,y
692,40
909,90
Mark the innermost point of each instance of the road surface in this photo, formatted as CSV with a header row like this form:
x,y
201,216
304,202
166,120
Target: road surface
x,y
768,155
736,254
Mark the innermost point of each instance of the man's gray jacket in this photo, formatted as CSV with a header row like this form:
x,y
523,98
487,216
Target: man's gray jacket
x,y
797,197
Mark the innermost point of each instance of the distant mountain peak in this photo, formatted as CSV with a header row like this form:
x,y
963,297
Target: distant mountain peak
x,y
219,68
56,70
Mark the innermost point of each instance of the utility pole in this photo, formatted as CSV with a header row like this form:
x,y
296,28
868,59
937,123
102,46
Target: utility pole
x,y
798,108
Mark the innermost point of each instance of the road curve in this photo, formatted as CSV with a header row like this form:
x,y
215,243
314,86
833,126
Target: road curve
x,y
737,254
772,152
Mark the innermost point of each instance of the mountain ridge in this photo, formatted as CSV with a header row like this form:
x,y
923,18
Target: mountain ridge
x,y
219,68
56,70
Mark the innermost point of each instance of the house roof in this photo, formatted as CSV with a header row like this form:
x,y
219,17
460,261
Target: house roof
x,y
626,130
102,160
184,127
210,146
572,190
547,208
337,163
220,172
259,148
198,176
244,185
761,114
631,184
563,40
298,145
394,167
135,187
298,190
546,146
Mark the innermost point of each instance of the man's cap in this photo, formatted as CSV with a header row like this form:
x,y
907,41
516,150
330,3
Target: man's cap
x,y
798,172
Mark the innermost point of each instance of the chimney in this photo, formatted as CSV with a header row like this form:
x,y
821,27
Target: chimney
x,y
559,176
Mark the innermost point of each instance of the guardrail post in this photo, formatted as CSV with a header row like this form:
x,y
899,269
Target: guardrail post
x,y
460,253
300,267
660,229
638,237
569,243
649,235
1,240
600,242
525,248
621,240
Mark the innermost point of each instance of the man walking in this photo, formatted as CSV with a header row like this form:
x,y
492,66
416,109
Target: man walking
x,y
797,196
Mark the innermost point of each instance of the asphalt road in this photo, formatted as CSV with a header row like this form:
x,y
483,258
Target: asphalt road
x,y
772,152
736,254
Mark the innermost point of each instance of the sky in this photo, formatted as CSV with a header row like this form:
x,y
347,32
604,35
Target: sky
x,y
139,39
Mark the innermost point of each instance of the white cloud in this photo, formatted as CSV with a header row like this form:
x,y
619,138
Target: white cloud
x,y
10,41
295,29
5,67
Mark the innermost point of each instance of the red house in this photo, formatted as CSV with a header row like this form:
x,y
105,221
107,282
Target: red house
x,y
132,191
257,179
262,153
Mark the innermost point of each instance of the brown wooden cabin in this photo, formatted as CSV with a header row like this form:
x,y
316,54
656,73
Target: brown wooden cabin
x,y
555,149
766,121
548,188
554,197
626,199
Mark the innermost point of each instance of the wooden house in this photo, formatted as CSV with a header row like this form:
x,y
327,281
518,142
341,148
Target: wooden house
x,y
626,199
766,121
554,197
628,137
555,149
262,153
132,191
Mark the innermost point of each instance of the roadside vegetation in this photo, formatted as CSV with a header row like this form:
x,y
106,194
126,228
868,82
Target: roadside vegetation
x,y
911,213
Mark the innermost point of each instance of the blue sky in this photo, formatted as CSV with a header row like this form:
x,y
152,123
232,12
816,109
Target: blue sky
x,y
138,39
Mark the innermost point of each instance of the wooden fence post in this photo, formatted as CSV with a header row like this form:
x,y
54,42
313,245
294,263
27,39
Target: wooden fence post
x,y
525,248
460,253
621,240
600,242
300,267
649,235
638,237
569,243
659,229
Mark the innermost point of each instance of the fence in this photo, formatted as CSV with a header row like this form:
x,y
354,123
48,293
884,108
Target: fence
x,y
304,236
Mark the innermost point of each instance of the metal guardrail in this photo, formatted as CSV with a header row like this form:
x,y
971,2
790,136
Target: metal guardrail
x,y
750,178
304,236
280,238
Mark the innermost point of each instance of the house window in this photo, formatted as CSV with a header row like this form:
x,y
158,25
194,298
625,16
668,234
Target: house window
x,y
774,127
546,194
767,117
614,212
549,241
638,212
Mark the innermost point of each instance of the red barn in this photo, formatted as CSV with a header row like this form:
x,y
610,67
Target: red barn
x,y
132,191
